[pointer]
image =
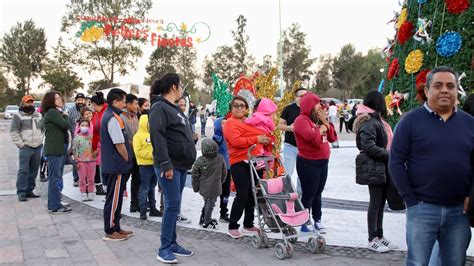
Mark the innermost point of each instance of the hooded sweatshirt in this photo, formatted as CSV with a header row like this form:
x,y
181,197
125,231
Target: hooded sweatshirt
x,y
142,143
362,109
82,147
219,139
311,144
209,171
262,118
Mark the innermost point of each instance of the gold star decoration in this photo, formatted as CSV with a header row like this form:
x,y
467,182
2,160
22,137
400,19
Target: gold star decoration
x,y
183,27
198,39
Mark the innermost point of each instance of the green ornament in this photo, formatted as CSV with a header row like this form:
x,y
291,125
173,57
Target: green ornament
x,y
222,95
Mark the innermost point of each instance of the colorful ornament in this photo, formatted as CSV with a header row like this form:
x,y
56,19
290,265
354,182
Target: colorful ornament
x,y
221,95
405,32
92,34
387,51
420,85
393,100
244,87
449,44
421,2
402,18
457,6
461,89
421,33
414,61
393,69
382,83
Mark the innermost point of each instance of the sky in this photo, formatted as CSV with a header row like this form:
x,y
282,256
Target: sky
x,y
329,24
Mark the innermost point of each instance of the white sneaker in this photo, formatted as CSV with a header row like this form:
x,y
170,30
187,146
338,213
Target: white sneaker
x,y
65,204
90,196
376,246
388,243
84,196
182,219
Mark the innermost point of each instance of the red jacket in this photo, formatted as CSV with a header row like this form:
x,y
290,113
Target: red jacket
x,y
96,122
239,138
311,144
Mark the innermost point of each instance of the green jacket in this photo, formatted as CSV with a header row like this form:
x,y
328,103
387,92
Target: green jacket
x,y
56,126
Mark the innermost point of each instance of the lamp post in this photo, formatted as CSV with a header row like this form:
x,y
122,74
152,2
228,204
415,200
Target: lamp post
x,y
381,73
281,52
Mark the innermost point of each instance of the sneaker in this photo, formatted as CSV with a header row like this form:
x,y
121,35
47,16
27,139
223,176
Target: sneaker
x,y
224,218
251,230
126,233
22,198
134,209
62,210
65,204
210,226
84,196
182,219
43,179
234,233
320,227
90,196
32,195
180,251
387,243
99,190
155,213
376,246
115,236
305,228
167,257
143,214
75,184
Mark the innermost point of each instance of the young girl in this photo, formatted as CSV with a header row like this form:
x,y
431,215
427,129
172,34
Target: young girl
x,y
262,119
85,160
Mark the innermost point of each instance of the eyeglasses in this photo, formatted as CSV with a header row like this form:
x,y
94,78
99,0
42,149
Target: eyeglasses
x,y
239,106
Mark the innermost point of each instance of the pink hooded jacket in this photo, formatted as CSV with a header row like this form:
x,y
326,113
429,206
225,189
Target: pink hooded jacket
x,y
262,117
361,109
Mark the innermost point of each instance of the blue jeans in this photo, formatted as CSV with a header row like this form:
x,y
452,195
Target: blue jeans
x,y
172,190
148,182
55,181
289,162
29,163
427,223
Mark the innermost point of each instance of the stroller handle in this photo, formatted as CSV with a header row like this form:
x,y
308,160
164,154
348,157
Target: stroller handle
x,y
249,153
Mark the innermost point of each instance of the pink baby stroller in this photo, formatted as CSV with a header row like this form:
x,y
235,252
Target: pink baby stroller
x,y
279,210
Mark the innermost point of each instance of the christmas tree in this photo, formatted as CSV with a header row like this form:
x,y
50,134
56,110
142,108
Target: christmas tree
x,y
429,33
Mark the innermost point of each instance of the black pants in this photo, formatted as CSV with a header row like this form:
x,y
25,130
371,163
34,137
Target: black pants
x,y
342,121
378,196
244,200
203,129
97,179
313,175
225,194
135,184
113,202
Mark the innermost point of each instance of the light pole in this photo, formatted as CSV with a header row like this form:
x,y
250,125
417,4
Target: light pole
x,y
281,52
381,73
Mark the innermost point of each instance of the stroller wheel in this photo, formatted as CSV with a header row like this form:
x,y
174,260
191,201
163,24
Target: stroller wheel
x,y
292,231
289,250
265,240
316,244
256,241
280,251
321,244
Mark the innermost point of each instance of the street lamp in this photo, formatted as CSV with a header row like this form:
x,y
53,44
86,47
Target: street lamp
x,y
381,72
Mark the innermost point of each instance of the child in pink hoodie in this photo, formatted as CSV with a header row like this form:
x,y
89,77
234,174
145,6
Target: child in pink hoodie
x,y
262,118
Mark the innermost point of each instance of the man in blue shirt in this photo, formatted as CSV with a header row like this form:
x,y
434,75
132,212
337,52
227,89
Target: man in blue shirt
x,y
430,164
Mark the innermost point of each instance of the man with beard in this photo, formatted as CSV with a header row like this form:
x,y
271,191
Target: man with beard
x,y
74,114
27,134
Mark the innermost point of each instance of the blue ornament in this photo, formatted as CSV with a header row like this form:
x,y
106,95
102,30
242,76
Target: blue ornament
x,y
421,1
382,82
449,44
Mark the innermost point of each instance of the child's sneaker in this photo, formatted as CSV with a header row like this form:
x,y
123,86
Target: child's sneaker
x,y
182,219
387,243
90,196
210,226
84,196
376,246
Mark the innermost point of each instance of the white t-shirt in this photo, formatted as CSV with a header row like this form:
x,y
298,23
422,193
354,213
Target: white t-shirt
x,y
332,110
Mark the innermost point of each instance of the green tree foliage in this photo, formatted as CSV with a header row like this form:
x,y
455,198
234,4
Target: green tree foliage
x,y
23,51
185,66
222,62
112,54
296,55
347,71
323,78
162,60
100,84
244,62
266,65
370,76
58,73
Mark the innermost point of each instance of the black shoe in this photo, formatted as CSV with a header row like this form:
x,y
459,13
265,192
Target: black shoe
x,y
75,184
62,210
155,213
134,209
143,215
43,178
32,195
22,198
224,218
99,190
210,226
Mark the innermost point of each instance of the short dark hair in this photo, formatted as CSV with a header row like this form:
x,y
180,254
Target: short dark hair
x,y
300,89
163,85
375,101
115,94
85,109
98,98
49,101
142,101
130,98
332,102
84,120
469,105
429,76
239,98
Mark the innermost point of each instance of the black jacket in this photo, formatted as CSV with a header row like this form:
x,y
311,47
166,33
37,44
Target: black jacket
x,y
171,136
371,137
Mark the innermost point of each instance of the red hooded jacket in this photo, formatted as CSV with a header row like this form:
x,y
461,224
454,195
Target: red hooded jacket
x,y
311,144
96,122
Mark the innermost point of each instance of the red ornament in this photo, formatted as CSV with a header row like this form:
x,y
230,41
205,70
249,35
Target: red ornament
x,y
393,69
405,32
457,6
420,85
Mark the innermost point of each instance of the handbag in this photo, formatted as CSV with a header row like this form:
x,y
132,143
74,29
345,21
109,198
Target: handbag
x,y
369,171
395,201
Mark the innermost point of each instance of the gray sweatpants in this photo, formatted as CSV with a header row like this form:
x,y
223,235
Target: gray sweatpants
x,y
209,204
